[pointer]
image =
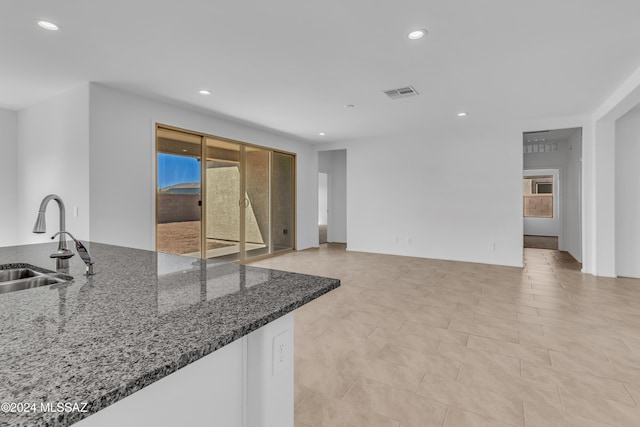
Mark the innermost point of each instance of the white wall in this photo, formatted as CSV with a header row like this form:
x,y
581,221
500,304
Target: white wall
x,y
627,195
8,177
53,157
447,194
334,163
600,178
572,201
122,165
546,226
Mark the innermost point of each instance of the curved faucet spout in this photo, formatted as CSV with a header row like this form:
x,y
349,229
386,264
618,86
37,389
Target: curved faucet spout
x,y
41,226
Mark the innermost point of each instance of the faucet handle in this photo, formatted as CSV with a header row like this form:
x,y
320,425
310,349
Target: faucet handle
x,y
84,254
82,251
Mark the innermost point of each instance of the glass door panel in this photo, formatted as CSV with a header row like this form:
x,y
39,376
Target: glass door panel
x,y
257,212
222,201
282,201
178,194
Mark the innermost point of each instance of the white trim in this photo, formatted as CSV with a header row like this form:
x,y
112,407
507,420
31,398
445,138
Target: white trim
x,y
154,156
623,99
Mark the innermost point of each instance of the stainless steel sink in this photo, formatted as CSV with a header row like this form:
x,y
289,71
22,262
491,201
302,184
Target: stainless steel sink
x,y
16,274
16,277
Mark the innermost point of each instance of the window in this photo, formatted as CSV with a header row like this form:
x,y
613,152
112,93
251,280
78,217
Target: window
x,y
538,196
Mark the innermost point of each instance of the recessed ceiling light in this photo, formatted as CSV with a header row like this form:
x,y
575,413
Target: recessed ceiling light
x,y
48,25
204,92
321,133
417,34
463,114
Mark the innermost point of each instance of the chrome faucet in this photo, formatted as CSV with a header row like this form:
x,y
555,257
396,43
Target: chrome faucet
x,y
40,227
82,251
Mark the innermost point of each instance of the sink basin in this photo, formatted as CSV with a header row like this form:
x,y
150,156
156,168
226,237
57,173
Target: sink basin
x,y
16,274
16,277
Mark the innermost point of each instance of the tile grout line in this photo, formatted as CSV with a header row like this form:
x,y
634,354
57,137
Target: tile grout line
x,y
446,414
626,387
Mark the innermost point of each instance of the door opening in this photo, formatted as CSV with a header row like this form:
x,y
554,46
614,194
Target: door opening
x,y
323,206
333,164
552,190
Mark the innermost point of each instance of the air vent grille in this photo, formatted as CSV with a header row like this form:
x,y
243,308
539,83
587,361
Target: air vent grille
x,y
403,92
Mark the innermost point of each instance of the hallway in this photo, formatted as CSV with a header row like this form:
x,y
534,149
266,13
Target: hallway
x,y
420,342
541,242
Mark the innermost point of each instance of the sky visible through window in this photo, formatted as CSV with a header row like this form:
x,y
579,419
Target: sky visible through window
x,y
174,170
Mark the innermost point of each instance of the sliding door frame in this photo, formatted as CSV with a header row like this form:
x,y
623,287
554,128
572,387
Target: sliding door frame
x,y
203,196
241,165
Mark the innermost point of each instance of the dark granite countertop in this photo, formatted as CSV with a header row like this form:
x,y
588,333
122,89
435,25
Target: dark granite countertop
x,y
143,316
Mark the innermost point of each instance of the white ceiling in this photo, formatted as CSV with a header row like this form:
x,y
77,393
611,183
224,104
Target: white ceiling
x,y
291,65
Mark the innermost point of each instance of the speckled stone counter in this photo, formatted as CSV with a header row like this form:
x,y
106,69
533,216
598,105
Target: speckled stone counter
x,y
143,316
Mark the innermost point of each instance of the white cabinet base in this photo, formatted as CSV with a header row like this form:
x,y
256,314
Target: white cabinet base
x,y
248,383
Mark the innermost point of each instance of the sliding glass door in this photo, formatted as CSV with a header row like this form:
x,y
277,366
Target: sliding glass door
x,y
222,195
283,201
237,205
257,198
178,213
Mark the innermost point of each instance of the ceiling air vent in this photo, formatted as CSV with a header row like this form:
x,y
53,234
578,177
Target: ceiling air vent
x,y
403,92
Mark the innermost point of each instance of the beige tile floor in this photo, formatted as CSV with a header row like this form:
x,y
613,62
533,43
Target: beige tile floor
x,y
417,342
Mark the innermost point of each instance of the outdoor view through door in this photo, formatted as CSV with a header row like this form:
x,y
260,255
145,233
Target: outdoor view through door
x,y
240,201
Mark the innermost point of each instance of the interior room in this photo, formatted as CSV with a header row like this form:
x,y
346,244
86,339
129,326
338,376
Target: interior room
x,y
320,214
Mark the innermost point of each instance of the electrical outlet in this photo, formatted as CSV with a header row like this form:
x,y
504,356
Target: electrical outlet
x,y
281,352
285,231
492,246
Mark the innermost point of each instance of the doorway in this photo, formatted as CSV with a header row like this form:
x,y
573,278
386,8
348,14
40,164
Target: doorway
x,y
332,164
541,208
223,199
323,206
552,186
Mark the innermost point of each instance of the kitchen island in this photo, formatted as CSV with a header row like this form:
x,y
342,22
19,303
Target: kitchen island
x,y
153,338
